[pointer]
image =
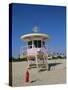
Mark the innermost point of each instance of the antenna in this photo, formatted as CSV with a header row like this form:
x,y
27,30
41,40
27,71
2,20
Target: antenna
x,y
35,29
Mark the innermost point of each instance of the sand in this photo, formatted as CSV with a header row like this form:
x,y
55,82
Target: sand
x,y
55,75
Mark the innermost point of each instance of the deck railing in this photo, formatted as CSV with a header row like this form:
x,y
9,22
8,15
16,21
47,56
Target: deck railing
x,y
32,50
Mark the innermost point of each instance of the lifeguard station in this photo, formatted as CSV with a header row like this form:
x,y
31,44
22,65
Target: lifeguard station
x,y
36,49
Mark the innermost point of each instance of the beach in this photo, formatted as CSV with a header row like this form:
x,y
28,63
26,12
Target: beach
x,y
55,75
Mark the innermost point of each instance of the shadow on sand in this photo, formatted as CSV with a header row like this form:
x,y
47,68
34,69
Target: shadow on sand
x,y
52,65
33,81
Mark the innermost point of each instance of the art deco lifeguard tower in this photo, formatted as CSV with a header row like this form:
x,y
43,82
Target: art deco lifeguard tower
x,y
36,49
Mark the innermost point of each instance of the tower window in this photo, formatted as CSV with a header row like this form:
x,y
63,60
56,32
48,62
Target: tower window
x,y
30,44
43,43
37,43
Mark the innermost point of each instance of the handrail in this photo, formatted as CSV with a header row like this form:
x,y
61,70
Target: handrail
x,y
23,50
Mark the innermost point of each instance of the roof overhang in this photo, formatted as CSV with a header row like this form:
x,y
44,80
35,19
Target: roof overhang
x,y
27,37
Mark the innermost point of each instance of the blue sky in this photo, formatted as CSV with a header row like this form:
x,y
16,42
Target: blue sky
x,y
50,19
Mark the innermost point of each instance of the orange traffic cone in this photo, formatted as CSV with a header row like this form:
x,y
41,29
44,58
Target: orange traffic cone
x,y
27,76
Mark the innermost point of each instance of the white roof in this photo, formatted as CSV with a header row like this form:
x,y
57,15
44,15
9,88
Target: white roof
x,y
34,35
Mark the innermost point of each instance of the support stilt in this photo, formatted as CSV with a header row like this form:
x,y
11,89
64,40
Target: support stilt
x,y
28,63
36,61
46,63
